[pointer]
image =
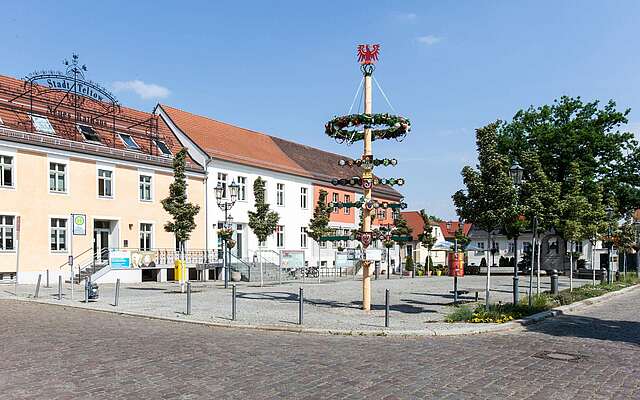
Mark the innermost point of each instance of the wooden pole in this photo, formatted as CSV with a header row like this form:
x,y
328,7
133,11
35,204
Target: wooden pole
x,y
366,174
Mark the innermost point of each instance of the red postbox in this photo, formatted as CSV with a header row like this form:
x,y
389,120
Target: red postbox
x,y
456,264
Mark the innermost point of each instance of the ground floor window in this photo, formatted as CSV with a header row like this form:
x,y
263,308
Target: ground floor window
x,y
280,236
146,236
7,232
58,234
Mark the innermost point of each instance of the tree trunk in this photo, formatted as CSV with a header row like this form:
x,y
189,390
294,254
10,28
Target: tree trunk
x,y
538,269
570,266
488,288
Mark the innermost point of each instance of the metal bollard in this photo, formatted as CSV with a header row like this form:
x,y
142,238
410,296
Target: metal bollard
x,y
554,281
386,308
38,286
188,298
233,302
59,287
47,279
115,303
604,276
301,307
86,289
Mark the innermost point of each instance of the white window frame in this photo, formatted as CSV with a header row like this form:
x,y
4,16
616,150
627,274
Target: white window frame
x,y
3,234
280,236
65,175
335,198
223,177
347,199
78,126
162,153
125,143
112,179
280,187
59,229
150,233
304,198
242,188
150,184
43,122
303,237
13,170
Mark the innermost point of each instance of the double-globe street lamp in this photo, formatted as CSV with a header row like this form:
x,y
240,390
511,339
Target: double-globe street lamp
x,y
225,203
516,172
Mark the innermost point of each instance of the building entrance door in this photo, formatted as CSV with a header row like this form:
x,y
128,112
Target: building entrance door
x,y
101,244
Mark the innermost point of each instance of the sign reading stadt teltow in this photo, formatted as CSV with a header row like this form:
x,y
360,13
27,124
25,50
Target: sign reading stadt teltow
x,y
79,224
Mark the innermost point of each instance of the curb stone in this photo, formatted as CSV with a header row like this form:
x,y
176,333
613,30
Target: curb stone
x,y
514,325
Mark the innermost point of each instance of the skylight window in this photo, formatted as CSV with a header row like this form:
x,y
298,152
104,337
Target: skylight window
x,y
42,125
129,142
162,146
89,133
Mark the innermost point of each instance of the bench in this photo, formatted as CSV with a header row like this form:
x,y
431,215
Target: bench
x,y
476,292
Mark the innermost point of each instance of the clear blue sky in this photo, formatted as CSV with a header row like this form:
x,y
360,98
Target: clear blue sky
x,y
284,68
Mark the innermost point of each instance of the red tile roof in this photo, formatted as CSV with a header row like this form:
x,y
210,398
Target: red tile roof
x,y
143,127
414,221
231,143
449,228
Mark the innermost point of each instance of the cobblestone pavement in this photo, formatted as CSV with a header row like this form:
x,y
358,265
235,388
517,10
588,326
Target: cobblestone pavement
x,y
418,304
61,353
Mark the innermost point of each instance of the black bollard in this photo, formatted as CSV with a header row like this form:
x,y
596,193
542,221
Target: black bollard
x,y
38,287
386,308
233,302
301,307
47,279
115,303
188,298
554,281
86,290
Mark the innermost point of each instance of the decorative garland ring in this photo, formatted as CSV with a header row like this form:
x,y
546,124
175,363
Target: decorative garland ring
x,y
349,128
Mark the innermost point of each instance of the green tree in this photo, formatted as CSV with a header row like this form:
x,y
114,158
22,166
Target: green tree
x,y
262,221
182,212
490,196
426,237
571,131
319,224
626,240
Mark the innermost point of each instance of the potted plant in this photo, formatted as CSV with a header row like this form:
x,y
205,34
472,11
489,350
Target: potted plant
x,y
439,269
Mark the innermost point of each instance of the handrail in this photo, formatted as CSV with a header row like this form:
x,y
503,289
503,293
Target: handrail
x,y
74,257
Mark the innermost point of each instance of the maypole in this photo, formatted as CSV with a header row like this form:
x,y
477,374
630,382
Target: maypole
x,y
367,127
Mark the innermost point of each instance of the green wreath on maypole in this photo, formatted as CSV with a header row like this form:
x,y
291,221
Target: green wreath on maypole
x,y
350,128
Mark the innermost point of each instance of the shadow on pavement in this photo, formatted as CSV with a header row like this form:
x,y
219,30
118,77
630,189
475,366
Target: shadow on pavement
x,y
293,298
591,328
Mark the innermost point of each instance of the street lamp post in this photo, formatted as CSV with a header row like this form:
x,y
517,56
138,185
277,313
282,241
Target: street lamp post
x,y
225,203
456,261
516,175
387,228
609,212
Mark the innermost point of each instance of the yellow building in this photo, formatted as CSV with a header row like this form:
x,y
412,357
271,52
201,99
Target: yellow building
x,y
67,148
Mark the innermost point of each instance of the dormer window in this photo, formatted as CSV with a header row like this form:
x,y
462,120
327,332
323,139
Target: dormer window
x,y
42,125
90,135
129,142
162,146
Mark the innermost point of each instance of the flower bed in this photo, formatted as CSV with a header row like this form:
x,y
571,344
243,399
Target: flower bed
x,y
500,313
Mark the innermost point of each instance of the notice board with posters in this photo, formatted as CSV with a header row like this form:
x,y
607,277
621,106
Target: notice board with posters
x,y
292,259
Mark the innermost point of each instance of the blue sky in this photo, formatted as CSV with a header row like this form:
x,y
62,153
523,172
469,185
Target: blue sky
x,y
285,68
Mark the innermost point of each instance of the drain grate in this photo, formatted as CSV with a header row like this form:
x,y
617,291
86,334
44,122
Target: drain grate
x,y
559,356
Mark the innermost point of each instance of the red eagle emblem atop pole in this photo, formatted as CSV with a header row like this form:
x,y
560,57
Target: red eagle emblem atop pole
x,y
368,55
